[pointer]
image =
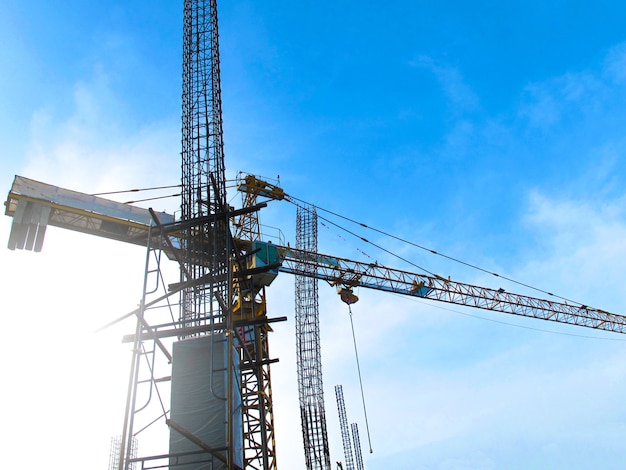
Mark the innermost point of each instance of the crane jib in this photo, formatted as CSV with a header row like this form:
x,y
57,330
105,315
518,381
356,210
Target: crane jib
x,y
344,273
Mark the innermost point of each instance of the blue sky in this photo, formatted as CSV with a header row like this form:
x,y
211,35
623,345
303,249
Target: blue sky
x,y
491,132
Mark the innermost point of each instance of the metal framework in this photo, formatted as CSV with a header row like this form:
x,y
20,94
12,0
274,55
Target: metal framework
x,y
348,273
356,440
114,454
222,294
206,249
251,309
206,244
308,355
345,431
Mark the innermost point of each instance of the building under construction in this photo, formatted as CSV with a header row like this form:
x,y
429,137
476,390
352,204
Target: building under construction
x,y
201,359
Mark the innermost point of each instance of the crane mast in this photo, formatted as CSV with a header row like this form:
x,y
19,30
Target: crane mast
x,y
250,312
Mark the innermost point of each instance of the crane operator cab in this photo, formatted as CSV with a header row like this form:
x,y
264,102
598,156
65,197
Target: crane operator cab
x,y
264,263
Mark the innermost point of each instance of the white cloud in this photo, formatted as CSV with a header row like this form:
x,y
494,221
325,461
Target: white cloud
x,y
97,147
615,63
461,97
583,247
63,377
581,95
540,107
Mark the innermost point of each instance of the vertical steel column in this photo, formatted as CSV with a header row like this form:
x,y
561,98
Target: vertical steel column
x,y
345,431
256,385
357,446
310,387
206,244
205,247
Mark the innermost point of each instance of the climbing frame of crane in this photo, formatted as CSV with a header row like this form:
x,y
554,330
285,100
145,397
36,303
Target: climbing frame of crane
x,y
258,269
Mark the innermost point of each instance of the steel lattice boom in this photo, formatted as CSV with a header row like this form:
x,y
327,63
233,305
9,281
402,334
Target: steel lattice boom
x,y
342,272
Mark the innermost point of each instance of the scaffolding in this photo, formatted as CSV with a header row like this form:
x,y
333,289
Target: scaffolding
x,y
114,453
202,245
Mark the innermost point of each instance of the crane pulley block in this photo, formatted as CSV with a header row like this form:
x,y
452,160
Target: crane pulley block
x,y
347,295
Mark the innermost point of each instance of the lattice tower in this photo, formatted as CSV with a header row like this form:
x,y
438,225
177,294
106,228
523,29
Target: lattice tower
x,y
114,453
345,431
356,440
205,245
256,385
310,386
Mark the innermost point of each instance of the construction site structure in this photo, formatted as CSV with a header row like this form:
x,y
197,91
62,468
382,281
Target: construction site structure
x,y
356,440
114,454
250,311
308,352
200,357
259,260
345,430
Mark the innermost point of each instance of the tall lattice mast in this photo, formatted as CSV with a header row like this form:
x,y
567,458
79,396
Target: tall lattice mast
x,y
203,171
250,311
356,440
206,242
309,362
345,431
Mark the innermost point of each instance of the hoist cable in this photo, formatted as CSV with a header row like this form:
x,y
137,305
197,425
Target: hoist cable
x,y
358,367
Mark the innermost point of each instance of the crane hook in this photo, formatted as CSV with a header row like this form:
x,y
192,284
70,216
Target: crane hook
x,y
347,295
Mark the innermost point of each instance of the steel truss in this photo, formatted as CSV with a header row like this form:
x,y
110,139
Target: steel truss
x,y
348,273
251,310
206,247
345,431
356,440
308,355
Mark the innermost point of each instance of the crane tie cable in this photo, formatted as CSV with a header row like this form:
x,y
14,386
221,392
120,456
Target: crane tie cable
x,y
137,190
456,260
151,198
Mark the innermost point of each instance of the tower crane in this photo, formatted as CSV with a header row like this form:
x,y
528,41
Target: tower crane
x,y
346,274
255,263
223,277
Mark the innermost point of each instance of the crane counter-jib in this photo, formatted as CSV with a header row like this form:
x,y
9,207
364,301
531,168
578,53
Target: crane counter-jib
x,y
348,273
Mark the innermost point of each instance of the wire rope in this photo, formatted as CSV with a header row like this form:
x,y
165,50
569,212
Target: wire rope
x,y
513,325
137,190
451,258
152,198
358,367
